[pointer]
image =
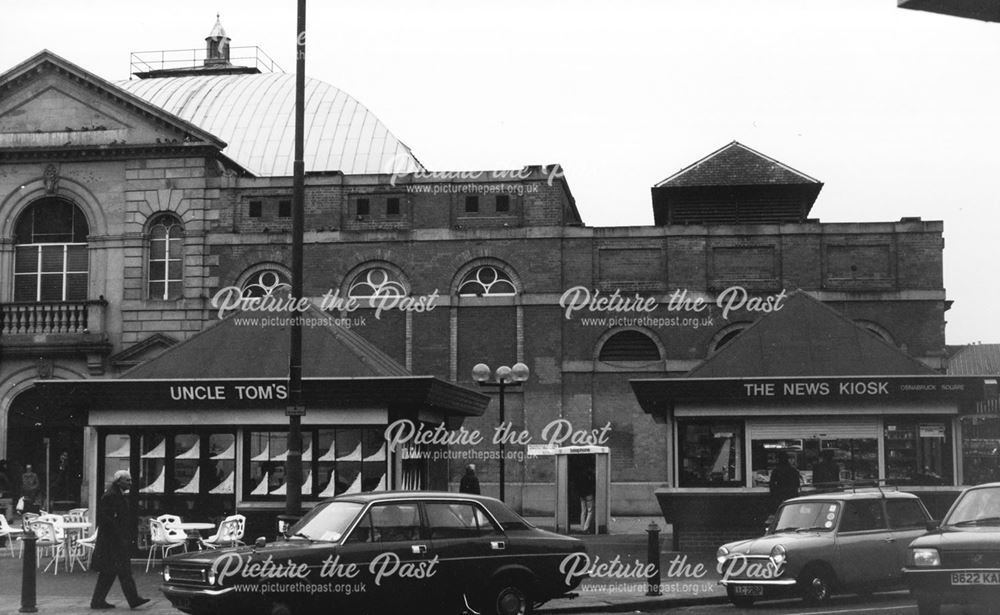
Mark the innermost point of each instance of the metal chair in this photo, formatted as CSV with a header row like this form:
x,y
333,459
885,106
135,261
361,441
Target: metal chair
x,y
160,539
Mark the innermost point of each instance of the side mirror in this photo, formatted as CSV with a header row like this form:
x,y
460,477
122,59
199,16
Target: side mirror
x,y
933,525
260,543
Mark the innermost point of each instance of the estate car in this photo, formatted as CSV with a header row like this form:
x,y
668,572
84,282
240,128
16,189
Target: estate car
x,y
959,561
383,552
825,542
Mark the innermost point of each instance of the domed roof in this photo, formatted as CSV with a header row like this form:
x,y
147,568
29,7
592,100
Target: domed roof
x,y
255,115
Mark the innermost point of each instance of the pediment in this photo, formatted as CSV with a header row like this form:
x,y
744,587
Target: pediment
x,y
146,350
49,102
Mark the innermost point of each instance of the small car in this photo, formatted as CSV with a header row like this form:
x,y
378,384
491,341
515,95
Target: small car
x,y
384,552
825,542
958,561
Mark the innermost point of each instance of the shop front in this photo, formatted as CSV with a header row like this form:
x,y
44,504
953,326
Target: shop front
x,y
208,438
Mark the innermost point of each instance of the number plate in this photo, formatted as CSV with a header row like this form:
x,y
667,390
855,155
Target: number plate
x,y
975,578
181,603
748,590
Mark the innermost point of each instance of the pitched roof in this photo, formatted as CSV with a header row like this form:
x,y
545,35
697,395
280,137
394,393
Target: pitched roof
x,y
736,165
240,347
807,338
975,359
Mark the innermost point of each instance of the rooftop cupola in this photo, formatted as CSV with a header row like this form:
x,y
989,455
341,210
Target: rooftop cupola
x,y
217,45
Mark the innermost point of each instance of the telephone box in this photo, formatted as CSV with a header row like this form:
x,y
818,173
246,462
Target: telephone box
x,y
583,481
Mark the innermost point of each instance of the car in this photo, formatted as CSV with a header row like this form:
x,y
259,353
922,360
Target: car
x,y
958,561
851,539
384,552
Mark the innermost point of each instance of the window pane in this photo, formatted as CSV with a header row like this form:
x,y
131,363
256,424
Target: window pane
x,y
52,258
157,270
76,287
156,289
76,258
26,259
25,288
905,514
711,455
396,522
863,515
175,269
173,290
52,287
157,249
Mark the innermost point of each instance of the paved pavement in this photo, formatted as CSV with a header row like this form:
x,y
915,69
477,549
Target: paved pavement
x,y
681,583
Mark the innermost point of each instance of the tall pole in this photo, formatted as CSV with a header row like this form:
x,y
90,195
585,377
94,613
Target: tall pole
x,y
293,470
502,420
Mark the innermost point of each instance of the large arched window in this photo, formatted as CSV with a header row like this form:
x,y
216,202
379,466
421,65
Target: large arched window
x,y
50,252
376,282
266,282
166,257
629,345
487,280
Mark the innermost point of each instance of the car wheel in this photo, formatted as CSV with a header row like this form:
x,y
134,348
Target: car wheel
x,y
507,598
928,606
742,602
816,585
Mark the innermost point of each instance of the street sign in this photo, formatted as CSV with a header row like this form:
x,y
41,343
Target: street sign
x,y
295,411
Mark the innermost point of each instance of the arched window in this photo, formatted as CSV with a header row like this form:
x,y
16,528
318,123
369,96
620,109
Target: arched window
x,y
487,280
726,335
50,252
629,345
877,330
376,282
166,257
265,282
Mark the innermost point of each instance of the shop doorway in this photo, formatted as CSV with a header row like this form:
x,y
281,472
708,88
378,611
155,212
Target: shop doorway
x,y
49,438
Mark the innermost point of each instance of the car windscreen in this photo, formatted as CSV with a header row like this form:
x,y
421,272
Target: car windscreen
x,y
328,521
818,516
976,507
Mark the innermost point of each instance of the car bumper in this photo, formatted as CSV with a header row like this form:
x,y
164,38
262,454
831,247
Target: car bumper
x,y
764,589
939,585
200,599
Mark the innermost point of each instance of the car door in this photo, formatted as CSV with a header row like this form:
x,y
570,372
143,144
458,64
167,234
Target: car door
x,y
866,549
390,551
467,543
907,519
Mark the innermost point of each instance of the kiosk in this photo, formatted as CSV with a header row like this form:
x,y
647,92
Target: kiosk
x,y
582,471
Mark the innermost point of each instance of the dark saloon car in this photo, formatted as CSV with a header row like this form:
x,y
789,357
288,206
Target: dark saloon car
x,y
383,552
840,541
959,561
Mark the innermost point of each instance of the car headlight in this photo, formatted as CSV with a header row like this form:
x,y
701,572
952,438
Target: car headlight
x,y
721,554
778,556
166,573
924,558
211,575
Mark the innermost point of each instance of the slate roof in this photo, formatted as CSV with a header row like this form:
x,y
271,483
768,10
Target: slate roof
x,y
975,360
736,165
807,338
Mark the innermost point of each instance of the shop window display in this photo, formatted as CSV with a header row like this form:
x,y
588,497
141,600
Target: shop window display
x,y
981,450
711,454
828,460
918,452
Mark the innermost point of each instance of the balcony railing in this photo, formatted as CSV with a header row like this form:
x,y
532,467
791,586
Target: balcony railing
x,y
54,317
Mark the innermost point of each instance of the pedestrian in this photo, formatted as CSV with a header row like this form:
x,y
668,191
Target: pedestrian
x,y
586,489
827,471
785,480
112,553
30,486
469,483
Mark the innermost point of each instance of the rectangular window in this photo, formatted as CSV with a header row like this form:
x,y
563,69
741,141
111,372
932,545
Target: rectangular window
x,y
334,461
711,454
472,204
256,209
827,461
980,449
503,203
392,206
918,451
284,209
51,272
362,207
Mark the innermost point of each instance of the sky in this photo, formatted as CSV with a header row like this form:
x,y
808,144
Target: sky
x,y
896,111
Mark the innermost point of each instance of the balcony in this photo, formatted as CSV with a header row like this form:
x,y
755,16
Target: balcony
x,y
55,328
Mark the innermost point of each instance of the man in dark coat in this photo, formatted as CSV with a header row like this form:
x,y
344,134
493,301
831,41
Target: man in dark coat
x,y
469,482
112,553
785,480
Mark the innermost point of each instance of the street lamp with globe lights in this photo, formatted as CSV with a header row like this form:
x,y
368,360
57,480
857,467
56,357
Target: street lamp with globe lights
x,y
504,377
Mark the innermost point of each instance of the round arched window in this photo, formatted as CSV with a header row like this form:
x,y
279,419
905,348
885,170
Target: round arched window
x,y
629,345
375,282
487,280
50,252
166,257
265,283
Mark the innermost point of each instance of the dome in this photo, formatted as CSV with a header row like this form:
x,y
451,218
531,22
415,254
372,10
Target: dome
x,y
255,115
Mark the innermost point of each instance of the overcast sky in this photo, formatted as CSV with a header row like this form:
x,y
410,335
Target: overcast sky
x,y
896,111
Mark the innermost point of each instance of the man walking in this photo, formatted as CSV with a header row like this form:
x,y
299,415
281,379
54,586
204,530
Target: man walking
x,y
114,545
469,482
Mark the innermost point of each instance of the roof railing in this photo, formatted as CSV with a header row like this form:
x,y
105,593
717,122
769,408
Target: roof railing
x,y
879,484
148,61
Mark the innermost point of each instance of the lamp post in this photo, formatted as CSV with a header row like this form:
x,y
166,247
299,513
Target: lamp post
x,y
503,378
